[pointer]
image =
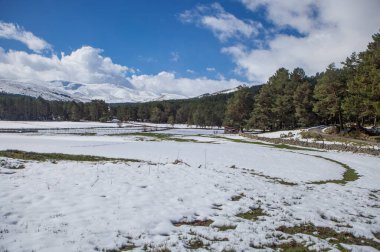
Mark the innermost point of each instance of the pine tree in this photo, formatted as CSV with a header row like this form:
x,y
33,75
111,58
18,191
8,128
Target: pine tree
x,y
329,94
238,109
303,104
262,116
363,99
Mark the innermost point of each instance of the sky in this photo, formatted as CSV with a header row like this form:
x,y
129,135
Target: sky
x,y
184,47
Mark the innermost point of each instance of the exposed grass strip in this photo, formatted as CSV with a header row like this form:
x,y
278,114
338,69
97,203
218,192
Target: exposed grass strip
x,y
278,180
278,146
162,137
252,215
25,155
292,246
198,223
328,233
226,227
195,243
348,176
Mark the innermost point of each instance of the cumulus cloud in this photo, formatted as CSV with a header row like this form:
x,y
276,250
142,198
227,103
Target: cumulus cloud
x,y
291,13
166,82
85,64
210,69
224,25
331,30
13,31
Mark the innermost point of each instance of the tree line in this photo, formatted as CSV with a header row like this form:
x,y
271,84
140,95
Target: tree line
x,y
290,99
202,111
20,107
350,94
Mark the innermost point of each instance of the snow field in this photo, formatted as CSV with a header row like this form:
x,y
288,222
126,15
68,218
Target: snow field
x,y
83,206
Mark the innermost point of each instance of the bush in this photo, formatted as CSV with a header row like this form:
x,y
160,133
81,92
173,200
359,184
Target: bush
x,y
310,134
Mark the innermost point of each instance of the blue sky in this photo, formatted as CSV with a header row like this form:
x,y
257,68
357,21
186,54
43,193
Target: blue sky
x,y
181,42
142,34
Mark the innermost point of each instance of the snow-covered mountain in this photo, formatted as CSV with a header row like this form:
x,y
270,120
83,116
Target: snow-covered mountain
x,y
225,91
35,89
66,91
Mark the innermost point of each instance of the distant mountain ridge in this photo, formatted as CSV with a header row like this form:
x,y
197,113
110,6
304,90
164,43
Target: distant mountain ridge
x,y
225,91
75,91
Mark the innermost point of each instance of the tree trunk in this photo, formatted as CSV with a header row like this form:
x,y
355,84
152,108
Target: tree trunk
x,y
340,120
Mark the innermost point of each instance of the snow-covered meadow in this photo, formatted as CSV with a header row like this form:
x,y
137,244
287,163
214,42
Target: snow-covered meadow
x,y
190,189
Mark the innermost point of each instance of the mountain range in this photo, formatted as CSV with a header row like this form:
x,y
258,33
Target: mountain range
x,y
68,91
75,91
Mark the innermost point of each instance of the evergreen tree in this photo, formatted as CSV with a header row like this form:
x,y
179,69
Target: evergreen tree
x,y
262,115
329,94
363,99
303,104
238,109
155,115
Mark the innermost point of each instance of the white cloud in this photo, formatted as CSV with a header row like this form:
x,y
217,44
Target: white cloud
x,y
224,25
174,56
210,69
291,13
332,31
85,64
13,31
190,71
166,82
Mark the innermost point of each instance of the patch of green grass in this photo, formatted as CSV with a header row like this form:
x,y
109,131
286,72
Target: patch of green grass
x,y
283,182
226,227
252,215
25,155
278,146
328,233
162,137
84,134
195,243
291,246
279,180
202,223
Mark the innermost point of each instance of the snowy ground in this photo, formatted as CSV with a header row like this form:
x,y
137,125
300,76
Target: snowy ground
x,y
296,134
87,206
98,128
51,124
277,134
